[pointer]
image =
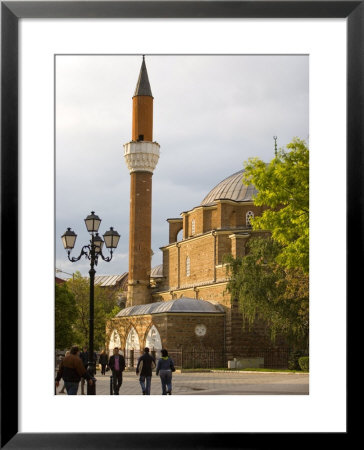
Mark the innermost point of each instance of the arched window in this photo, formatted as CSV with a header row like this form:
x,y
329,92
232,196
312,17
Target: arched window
x,y
153,340
193,226
115,341
249,216
132,341
188,266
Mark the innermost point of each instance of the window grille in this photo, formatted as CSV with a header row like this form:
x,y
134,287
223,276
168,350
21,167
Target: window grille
x,y
249,216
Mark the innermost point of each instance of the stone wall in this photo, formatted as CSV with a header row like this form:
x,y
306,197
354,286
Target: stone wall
x,y
176,330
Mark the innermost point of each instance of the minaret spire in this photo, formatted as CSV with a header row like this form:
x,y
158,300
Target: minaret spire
x,y
141,156
142,125
143,85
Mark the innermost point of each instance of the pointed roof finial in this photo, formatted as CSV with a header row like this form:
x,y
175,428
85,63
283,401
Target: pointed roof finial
x,y
275,145
143,86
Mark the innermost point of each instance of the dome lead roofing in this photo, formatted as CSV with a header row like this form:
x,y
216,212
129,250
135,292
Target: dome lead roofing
x,y
231,188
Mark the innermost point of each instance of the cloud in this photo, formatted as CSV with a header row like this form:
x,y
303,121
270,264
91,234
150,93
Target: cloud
x,y
211,113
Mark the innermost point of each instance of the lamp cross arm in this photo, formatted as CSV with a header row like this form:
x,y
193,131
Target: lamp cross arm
x,y
85,251
106,258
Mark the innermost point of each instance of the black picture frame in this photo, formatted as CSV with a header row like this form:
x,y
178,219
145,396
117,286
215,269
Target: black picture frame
x,y
11,12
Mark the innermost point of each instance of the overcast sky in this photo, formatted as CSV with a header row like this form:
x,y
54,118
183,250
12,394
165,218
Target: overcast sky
x,y
211,113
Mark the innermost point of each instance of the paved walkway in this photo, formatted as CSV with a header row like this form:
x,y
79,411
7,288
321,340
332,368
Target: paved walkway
x,y
213,383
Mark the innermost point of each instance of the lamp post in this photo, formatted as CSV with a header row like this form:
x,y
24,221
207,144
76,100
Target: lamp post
x,y
92,252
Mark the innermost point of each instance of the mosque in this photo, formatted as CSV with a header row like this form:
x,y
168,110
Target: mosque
x,y
183,304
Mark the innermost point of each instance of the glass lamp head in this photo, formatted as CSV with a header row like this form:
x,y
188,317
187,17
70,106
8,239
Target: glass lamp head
x,y
69,239
111,238
92,222
98,243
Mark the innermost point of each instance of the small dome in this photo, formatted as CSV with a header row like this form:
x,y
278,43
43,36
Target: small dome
x,y
157,272
231,188
180,305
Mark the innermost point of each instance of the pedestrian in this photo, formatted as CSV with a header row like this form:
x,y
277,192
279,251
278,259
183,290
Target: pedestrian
x,y
72,370
117,366
85,361
165,367
146,363
62,390
103,361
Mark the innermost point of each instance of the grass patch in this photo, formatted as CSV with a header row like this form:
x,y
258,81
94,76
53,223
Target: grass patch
x,y
258,369
253,369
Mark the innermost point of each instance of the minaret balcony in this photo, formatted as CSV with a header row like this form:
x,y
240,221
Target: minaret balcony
x,y
141,156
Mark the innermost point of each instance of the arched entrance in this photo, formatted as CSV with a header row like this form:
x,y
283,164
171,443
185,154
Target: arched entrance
x,y
132,348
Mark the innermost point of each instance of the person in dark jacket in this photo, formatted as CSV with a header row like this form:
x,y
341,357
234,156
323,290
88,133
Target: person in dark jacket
x,y
165,367
103,361
85,361
72,370
146,363
117,366
64,387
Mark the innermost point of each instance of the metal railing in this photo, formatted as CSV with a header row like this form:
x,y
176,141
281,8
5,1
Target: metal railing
x,y
272,358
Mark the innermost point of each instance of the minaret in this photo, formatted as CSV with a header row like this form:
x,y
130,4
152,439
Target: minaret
x,y
141,156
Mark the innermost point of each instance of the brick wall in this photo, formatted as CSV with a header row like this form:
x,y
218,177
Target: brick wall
x,y
211,292
201,254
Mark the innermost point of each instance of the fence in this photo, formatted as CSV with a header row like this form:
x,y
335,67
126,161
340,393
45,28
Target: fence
x,y
273,358
186,359
201,359
276,358
131,357
209,359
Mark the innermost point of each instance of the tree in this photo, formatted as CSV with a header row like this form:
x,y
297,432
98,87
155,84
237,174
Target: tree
x,y
283,186
65,316
269,291
271,281
105,301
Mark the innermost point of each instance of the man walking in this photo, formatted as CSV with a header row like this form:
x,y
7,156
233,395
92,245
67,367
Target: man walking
x,y
71,370
117,366
146,363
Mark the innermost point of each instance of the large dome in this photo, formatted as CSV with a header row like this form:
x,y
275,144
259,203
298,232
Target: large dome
x,y
231,188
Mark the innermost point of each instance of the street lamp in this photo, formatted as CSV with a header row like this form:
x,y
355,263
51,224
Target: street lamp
x,y
92,252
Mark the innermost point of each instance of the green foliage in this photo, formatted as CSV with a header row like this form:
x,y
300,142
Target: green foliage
x,y
65,316
269,291
304,363
293,360
283,187
105,305
113,312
